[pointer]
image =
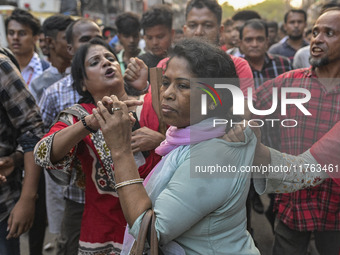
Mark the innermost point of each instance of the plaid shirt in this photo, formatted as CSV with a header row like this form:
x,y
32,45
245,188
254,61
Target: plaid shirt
x,y
314,209
20,123
56,98
273,66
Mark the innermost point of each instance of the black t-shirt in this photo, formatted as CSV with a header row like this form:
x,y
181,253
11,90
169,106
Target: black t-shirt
x,y
150,60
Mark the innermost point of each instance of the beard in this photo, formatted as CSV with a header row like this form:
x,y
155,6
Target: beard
x,y
295,37
318,62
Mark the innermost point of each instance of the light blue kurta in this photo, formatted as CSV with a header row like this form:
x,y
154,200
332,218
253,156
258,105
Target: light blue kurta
x,y
205,213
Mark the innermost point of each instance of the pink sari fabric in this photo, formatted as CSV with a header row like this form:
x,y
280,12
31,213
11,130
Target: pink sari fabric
x,y
176,137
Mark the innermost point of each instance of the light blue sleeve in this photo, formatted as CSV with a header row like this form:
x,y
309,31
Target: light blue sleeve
x,y
289,173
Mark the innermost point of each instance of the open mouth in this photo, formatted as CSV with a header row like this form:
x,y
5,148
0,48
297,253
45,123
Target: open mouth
x,y
316,51
110,72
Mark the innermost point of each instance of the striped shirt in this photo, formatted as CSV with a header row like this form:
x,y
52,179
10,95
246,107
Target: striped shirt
x,y
314,209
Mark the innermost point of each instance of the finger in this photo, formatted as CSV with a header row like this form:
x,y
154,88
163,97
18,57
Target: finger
x,y
132,102
140,63
129,76
132,119
133,66
104,112
233,137
238,131
9,222
98,117
21,229
114,98
12,231
226,137
107,101
135,149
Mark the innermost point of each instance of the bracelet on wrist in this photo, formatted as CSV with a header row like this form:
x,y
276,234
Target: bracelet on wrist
x,y
146,88
128,182
86,126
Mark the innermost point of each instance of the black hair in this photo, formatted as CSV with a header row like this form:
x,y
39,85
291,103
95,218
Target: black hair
x,y
212,5
256,24
208,61
25,18
273,24
295,11
228,22
157,15
56,23
327,8
246,15
128,23
69,29
78,69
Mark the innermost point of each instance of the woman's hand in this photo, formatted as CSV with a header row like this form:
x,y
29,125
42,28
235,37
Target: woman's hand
x,y
136,74
2,179
236,133
115,122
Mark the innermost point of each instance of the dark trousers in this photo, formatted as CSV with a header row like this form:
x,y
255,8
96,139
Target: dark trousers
x,y
68,241
289,241
36,234
11,246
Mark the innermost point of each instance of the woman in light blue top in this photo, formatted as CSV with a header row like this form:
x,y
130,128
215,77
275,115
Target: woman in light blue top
x,y
197,193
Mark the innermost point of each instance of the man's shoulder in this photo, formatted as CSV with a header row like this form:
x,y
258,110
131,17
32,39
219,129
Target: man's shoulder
x,y
275,47
60,85
296,73
279,58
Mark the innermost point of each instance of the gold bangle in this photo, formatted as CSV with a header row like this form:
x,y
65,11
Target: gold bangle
x,y
125,183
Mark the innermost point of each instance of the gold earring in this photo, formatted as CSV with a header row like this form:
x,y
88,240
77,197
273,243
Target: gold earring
x,y
212,106
83,88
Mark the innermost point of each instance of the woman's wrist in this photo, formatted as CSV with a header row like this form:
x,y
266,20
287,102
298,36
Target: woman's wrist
x,y
88,123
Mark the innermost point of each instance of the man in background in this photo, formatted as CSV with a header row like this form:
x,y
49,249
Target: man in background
x,y
294,25
22,32
158,33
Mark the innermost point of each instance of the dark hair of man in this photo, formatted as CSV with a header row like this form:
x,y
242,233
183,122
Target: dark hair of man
x,y
246,15
228,22
78,69
56,23
211,62
25,18
157,15
333,8
69,29
128,23
256,24
295,11
273,24
212,5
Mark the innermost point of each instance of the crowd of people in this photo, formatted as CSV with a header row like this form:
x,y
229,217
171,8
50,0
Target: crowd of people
x,y
82,149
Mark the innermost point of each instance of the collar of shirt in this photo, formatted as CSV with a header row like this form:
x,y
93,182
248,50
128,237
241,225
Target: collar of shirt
x,y
54,70
286,45
33,69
